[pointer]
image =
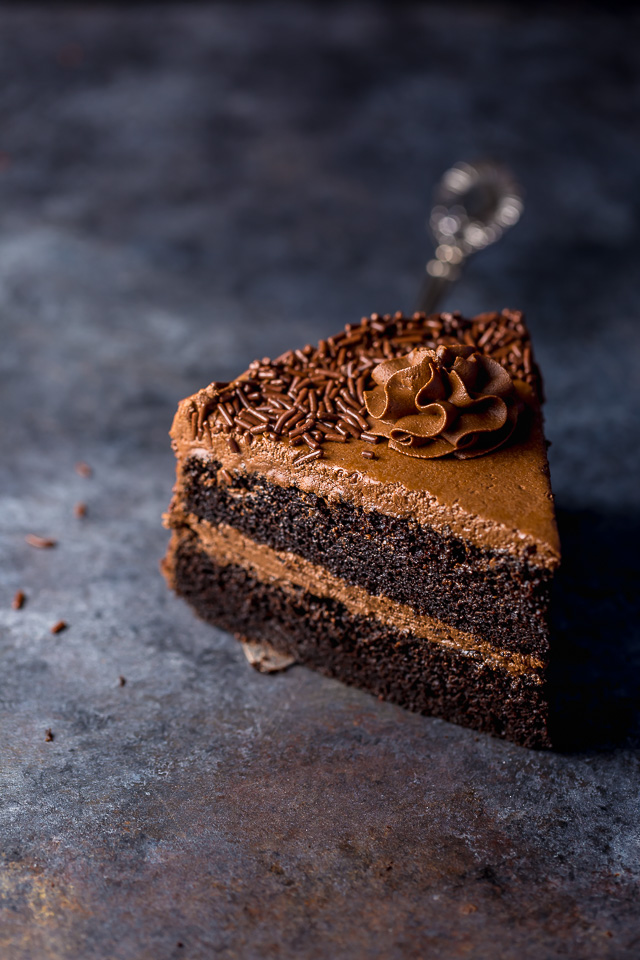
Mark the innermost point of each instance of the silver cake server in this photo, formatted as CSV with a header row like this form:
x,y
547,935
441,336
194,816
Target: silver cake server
x,y
474,204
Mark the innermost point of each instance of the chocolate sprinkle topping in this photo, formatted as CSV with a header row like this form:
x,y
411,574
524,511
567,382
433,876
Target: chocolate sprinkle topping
x,y
59,626
316,394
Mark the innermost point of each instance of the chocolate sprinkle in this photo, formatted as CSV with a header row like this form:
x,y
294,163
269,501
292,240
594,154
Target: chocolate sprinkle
x,y
315,395
80,510
314,455
59,626
83,469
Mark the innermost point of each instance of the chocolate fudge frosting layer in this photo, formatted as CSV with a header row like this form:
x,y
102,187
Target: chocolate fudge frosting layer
x,y
493,595
320,632
224,545
501,501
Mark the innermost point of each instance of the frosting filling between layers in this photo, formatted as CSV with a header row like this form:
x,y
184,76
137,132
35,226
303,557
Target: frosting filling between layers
x,y
490,595
227,546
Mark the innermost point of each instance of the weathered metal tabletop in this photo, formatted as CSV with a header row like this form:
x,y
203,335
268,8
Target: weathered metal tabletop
x,y
183,189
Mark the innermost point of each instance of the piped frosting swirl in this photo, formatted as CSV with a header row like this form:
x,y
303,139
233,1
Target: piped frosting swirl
x,y
450,401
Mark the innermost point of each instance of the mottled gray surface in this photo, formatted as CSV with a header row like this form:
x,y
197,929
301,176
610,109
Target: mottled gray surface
x,y
182,190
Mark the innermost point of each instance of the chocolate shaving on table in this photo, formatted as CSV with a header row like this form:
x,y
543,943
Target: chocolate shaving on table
x,y
316,395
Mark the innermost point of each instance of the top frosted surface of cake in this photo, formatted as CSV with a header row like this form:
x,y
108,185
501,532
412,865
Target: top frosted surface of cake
x,y
299,420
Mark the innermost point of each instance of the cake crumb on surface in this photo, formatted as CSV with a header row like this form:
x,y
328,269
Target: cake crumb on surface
x,y
48,735
18,600
42,543
80,510
83,469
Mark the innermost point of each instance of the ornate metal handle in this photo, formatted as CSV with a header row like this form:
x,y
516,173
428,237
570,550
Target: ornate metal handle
x,y
475,204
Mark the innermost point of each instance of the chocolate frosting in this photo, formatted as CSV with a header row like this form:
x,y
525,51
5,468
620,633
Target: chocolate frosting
x,y
450,401
502,501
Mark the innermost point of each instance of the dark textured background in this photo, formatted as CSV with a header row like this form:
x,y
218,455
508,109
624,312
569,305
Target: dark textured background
x,y
183,189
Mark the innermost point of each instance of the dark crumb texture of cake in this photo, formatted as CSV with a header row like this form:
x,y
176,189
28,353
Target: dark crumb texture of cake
x,y
316,394
490,593
425,677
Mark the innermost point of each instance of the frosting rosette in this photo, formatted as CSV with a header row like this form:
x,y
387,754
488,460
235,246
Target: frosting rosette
x,y
450,401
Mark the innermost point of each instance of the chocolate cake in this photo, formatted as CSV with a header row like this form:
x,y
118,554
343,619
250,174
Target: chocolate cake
x,y
378,508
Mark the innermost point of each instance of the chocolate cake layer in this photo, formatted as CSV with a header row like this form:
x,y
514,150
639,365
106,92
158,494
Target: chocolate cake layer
x,y
321,632
225,545
495,595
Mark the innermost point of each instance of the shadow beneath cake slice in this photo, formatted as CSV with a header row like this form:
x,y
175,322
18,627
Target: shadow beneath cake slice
x,y
595,663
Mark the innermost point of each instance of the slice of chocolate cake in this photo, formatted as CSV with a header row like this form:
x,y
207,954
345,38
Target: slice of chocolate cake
x,y
378,507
